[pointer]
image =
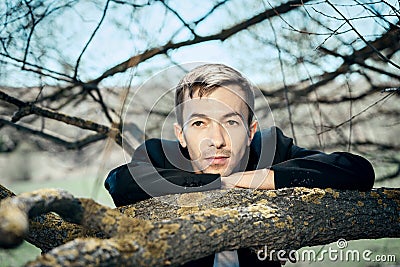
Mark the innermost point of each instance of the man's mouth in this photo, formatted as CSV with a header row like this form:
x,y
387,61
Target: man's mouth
x,y
218,160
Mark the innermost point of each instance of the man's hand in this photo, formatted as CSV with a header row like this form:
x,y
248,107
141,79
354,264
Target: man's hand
x,y
258,179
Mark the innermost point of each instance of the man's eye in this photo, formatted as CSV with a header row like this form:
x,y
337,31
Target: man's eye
x,y
198,123
232,122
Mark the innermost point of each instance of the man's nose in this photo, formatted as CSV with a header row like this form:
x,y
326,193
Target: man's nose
x,y
218,135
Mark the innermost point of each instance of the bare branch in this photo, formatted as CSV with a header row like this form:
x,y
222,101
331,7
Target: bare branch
x,y
40,69
72,145
360,61
28,108
385,59
223,35
179,17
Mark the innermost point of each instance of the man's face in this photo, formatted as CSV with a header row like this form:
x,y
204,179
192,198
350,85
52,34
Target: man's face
x,y
215,130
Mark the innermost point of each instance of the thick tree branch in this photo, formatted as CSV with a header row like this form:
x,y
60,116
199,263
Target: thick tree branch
x,y
280,219
46,231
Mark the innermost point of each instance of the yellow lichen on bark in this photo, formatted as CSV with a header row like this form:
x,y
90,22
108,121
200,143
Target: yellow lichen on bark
x,y
374,194
262,208
313,195
187,210
219,231
189,203
267,193
190,199
219,212
289,223
168,229
108,220
258,223
199,227
280,225
393,194
334,193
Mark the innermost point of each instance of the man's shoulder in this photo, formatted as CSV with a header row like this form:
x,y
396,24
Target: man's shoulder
x,y
161,153
156,145
267,136
152,143
271,132
270,146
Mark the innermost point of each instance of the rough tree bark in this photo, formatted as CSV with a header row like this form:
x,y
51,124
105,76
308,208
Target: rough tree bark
x,y
153,232
46,231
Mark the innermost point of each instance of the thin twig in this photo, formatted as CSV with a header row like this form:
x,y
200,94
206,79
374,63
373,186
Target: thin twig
x,y
320,138
358,114
90,39
39,69
385,59
286,93
29,35
179,17
350,115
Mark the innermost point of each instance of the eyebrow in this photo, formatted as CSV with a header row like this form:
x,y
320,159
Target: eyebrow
x,y
197,115
201,115
232,114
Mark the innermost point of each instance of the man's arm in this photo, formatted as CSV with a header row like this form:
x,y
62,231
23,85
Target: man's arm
x,y
295,166
151,174
309,168
257,179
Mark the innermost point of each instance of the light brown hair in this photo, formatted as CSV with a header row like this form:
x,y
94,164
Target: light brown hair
x,y
205,79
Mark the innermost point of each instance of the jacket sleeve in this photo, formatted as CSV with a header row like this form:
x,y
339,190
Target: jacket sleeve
x,y
296,166
149,174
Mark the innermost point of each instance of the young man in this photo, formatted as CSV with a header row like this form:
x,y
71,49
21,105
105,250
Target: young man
x,y
219,147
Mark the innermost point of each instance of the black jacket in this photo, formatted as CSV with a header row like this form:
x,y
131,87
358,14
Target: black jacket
x,y
153,171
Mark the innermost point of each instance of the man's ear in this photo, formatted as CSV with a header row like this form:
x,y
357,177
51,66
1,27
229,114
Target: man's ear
x,y
179,134
252,131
